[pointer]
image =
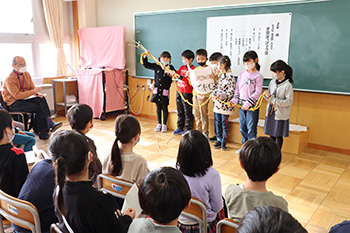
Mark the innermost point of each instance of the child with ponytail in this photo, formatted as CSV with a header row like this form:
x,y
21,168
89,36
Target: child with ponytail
x,y
123,162
280,99
82,208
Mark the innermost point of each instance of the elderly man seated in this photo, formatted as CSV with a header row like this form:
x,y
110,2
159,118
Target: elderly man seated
x,y
21,95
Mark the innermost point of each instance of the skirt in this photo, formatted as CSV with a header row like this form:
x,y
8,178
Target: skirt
x,y
195,228
275,128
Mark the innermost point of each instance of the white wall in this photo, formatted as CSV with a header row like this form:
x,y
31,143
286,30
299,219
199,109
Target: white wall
x,y
121,12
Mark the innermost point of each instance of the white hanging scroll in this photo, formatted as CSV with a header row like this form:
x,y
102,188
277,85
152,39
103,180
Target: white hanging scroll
x,y
267,34
201,81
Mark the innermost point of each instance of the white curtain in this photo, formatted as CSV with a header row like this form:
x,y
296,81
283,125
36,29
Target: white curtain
x,y
54,21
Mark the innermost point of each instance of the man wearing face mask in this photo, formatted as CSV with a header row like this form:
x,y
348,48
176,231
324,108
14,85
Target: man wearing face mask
x,y
18,91
13,163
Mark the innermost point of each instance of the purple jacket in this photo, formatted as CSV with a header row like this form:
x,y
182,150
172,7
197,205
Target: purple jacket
x,y
248,88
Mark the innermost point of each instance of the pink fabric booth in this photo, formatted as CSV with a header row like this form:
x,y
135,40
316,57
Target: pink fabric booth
x,y
102,47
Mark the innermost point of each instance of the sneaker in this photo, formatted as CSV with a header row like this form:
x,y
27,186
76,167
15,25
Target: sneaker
x,y
158,128
164,129
178,131
44,136
223,146
239,150
212,139
217,145
55,126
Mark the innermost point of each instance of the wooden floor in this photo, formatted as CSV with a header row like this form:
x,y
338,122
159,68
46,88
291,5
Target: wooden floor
x,y
315,183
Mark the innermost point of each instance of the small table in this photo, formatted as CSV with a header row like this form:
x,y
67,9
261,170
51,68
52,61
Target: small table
x,y
64,104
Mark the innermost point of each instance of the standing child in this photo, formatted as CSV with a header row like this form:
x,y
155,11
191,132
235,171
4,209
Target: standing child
x,y
260,158
123,162
213,59
201,113
224,90
280,99
203,179
184,110
162,81
248,90
163,195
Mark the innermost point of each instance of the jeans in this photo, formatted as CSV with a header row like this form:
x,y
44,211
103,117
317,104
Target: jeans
x,y
221,127
27,140
248,122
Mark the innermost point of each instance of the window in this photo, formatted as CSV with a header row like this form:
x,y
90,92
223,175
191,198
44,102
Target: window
x,y
25,34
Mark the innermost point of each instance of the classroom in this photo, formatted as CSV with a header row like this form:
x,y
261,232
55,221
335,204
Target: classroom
x,y
91,62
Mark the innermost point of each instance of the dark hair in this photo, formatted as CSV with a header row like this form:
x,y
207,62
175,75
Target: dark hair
x,y
202,52
260,158
267,219
165,54
194,156
126,127
251,55
215,56
69,151
5,122
187,54
280,65
225,60
79,116
163,194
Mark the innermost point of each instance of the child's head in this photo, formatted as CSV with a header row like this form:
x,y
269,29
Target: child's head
x,y
194,146
267,219
127,130
214,58
187,57
163,194
251,60
201,57
260,158
80,117
280,68
6,125
165,58
224,63
70,153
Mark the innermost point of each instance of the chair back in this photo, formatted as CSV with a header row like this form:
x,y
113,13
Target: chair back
x,y
2,102
54,228
227,225
197,212
19,212
113,185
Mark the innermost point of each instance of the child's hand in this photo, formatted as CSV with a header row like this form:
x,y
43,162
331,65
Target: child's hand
x,y
131,212
212,76
188,74
267,94
217,72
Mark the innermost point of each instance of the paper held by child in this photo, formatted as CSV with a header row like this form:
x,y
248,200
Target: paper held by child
x,y
201,81
132,201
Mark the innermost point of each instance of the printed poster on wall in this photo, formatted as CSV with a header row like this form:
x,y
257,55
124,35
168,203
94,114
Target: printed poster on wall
x,y
267,34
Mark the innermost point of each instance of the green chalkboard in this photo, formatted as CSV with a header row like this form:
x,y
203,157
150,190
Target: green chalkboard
x,y
319,49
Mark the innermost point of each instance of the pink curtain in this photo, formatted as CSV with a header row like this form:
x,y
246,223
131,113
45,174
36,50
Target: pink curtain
x,y
102,47
91,89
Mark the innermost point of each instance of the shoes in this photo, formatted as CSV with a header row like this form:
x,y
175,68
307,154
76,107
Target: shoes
x,y
212,139
44,136
158,128
206,135
164,129
223,146
239,150
217,145
178,131
55,126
